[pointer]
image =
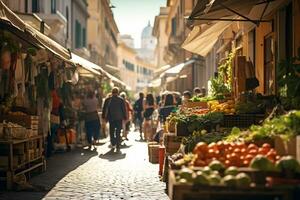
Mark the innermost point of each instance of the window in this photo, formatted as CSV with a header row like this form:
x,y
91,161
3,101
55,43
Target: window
x,y
53,6
77,34
35,6
173,27
26,6
84,37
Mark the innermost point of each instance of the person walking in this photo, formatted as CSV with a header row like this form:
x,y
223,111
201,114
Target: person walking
x,y
149,107
138,116
92,122
114,111
129,111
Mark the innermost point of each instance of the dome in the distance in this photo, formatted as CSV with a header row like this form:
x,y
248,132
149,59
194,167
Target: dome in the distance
x,y
147,31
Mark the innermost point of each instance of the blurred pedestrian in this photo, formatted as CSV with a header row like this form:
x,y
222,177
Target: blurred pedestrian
x,y
149,107
138,116
92,122
197,91
114,111
187,95
129,111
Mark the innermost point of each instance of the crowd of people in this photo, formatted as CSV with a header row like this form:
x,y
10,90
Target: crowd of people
x,y
147,115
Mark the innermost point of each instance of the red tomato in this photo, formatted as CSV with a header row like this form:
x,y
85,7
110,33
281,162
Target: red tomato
x,y
253,152
200,147
262,151
245,163
266,146
252,146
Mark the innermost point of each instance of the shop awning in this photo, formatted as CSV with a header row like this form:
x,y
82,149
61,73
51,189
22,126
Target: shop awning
x,y
228,10
174,71
117,81
86,66
155,83
9,17
202,42
162,69
171,79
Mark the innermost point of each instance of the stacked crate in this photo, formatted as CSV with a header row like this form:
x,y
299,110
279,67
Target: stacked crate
x,y
153,150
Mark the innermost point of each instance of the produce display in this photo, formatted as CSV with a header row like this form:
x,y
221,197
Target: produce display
x,y
194,121
227,107
284,126
232,165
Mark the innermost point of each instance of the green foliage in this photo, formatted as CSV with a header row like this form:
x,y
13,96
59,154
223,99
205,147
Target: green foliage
x,y
201,136
284,126
288,82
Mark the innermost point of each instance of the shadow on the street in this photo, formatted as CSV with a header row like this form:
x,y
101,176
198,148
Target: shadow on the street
x,y
112,156
125,146
59,165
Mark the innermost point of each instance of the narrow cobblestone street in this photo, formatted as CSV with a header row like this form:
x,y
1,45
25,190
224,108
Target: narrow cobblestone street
x,y
101,174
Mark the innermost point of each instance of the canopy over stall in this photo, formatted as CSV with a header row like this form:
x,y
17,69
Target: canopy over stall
x,y
230,10
202,42
174,71
86,68
30,34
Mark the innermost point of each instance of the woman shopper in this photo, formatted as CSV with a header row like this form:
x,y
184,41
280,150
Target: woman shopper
x,y
92,122
129,111
149,107
165,110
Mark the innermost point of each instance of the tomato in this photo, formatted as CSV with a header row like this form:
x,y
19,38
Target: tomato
x,y
266,146
241,145
253,152
199,163
262,151
220,145
249,157
211,153
246,163
234,157
252,146
243,151
227,163
213,146
271,155
237,151
221,159
200,147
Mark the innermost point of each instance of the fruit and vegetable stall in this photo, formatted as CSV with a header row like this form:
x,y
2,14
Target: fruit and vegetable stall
x,y
226,149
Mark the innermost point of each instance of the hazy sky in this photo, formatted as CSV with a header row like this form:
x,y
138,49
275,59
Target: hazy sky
x,y
133,15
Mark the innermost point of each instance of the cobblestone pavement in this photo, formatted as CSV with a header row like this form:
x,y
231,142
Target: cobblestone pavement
x,y
101,174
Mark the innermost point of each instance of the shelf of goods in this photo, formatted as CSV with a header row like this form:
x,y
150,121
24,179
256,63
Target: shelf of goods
x,y
21,148
20,157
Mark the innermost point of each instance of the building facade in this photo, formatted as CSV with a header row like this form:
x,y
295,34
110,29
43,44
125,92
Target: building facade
x,y
102,35
134,71
171,29
159,31
55,13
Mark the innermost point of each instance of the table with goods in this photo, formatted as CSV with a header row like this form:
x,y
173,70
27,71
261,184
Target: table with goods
x,y
233,150
21,148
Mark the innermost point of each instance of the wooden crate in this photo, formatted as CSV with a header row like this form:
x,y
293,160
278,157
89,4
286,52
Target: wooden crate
x,y
291,147
177,191
191,104
172,143
153,153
